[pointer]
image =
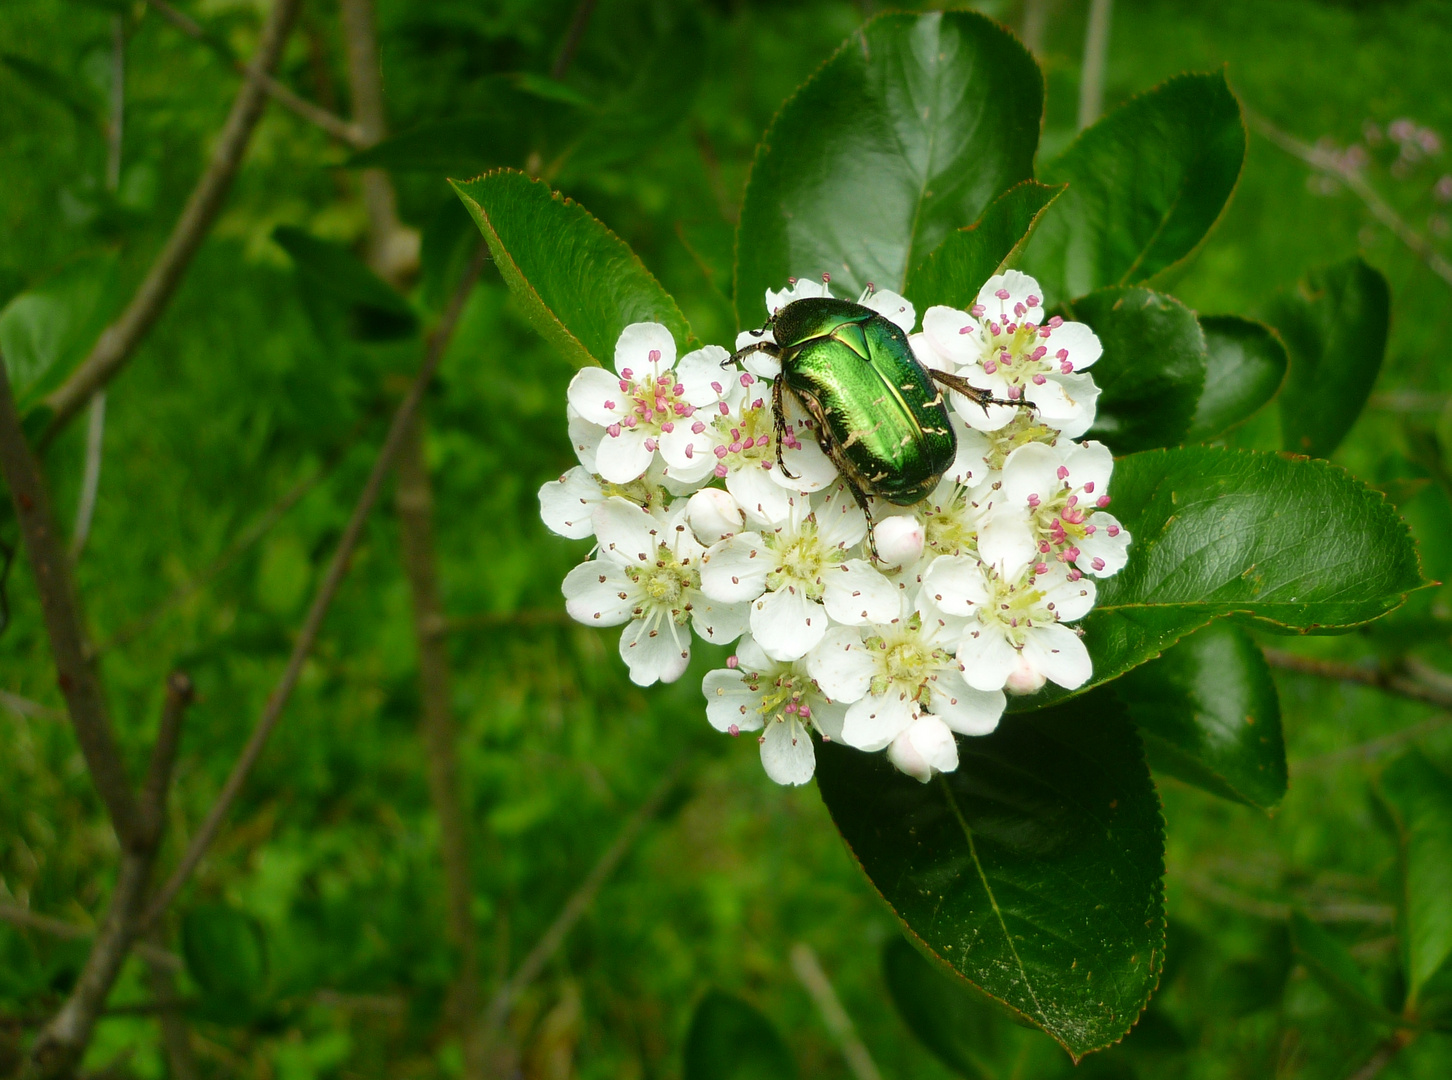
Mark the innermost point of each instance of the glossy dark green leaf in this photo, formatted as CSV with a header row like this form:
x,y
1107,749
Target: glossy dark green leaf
x,y
45,80
1291,543
1208,713
907,133
1245,364
1146,183
377,311
730,1040
1033,870
1328,962
1335,326
1420,797
1152,370
968,1032
226,954
48,329
578,283
956,269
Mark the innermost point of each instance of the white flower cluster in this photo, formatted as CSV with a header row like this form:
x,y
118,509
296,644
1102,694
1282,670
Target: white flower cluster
x,y
974,587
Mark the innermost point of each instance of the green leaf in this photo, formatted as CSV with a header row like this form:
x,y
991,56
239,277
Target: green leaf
x,y
730,1040
1152,370
226,954
1420,797
579,283
48,329
956,269
1245,366
57,87
1208,713
1033,870
968,1032
377,311
908,132
1335,326
1146,183
1328,962
1292,543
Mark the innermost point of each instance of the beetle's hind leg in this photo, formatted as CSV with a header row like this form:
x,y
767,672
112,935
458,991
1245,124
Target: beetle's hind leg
x,y
779,424
866,504
981,398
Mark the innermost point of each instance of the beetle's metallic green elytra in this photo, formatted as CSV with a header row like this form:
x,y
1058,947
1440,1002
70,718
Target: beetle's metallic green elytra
x,y
878,415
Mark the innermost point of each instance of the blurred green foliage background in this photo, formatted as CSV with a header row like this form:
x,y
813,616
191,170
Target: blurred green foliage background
x,y
249,387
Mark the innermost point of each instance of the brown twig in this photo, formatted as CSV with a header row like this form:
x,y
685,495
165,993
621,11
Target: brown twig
x,y
579,901
1331,164
316,115
573,36
176,1036
1387,1049
1410,680
77,672
48,924
119,340
322,599
23,706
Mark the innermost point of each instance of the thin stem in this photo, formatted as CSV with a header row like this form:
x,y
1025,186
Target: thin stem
x,y
1096,50
316,115
118,341
116,123
809,971
1035,22
69,931
322,600
1409,681
91,475
176,1036
23,706
1332,165
77,672
579,902
1389,1048
573,36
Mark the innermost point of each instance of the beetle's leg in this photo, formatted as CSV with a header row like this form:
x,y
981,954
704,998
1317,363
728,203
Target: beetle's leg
x,y
981,398
778,419
768,347
866,505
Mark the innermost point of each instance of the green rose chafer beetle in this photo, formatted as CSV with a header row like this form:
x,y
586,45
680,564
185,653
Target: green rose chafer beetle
x,y
877,413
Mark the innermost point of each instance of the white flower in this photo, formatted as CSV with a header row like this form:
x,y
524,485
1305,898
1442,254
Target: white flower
x,y
714,515
567,505
1051,500
892,306
900,539
924,749
800,574
753,691
891,673
1004,345
651,403
584,436
744,454
1015,635
797,289
647,575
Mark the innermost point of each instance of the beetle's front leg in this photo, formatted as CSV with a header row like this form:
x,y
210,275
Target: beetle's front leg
x,y
779,424
769,347
981,398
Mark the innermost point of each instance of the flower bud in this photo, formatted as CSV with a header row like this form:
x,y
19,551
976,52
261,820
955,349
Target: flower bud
x,y
713,514
900,539
1025,678
925,749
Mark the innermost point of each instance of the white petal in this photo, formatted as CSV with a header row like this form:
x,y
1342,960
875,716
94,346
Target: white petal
x,y
1070,599
730,701
987,658
900,539
751,657
956,583
971,464
713,515
626,533
765,503
840,521
1091,463
1079,340
786,752
925,749
1032,469
1057,652
876,720
595,394
719,623
585,437
1111,550
566,504
754,336
687,452
800,289
811,469
655,650
786,624
1020,289
646,350
841,666
762,364
703,379
894,307
953,334
623,458
855,594
965,709
1006,541
1081,390
734,570
598,593
829,716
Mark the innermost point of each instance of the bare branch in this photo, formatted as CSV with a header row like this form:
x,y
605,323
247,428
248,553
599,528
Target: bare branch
x,y
1096,51
322,600
579,901
1331,164
23,706
1389,1048
316,115
77,672
48,924
119,340
91,474
1415,682
809,972
179,694
573,36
